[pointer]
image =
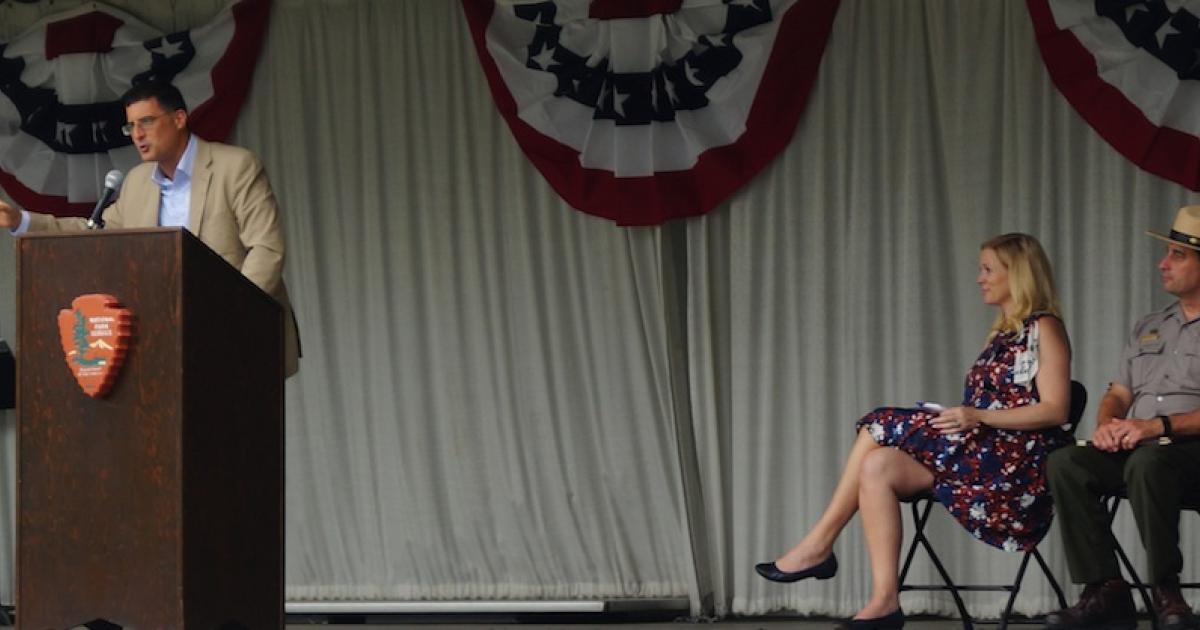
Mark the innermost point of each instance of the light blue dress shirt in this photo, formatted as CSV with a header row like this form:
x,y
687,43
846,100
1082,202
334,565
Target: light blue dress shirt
x,y
176,194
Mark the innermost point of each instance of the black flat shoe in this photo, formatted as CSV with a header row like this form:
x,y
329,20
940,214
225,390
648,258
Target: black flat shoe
x,y
823,570
894,621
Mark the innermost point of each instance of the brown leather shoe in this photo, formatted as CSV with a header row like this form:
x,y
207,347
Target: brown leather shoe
x,y
1102,606
1173,612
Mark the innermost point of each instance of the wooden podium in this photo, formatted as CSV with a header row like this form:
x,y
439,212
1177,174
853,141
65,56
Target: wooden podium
x,y
161,504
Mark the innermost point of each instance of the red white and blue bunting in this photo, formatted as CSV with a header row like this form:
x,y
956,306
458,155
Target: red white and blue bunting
x,y
61,80
641,111
1130,69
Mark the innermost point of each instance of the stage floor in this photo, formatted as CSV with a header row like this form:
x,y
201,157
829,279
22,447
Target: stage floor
x,y
795,624
801,624
740,624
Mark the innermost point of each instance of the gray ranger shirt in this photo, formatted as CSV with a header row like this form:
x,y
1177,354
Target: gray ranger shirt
x,y
1161,364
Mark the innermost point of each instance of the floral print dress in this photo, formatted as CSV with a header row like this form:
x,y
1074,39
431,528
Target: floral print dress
x,y
993,481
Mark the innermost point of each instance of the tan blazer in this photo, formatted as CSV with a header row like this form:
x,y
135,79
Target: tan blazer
x,y
232,210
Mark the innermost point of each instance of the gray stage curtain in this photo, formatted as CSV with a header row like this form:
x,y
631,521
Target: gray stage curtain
x,y
843,278
503,398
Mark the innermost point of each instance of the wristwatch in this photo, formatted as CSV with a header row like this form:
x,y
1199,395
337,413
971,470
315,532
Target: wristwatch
x,y
1166,425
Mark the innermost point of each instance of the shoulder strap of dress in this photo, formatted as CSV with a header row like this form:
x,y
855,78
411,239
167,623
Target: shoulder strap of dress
x,y
1036,315
1031,329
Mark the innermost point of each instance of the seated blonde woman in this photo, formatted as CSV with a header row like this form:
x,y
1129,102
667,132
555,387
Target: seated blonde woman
x,y
984,460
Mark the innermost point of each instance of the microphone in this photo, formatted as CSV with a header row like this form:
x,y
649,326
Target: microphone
x,y
112,183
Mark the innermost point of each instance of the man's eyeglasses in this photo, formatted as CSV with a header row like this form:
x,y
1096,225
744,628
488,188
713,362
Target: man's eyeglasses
x,y
144,123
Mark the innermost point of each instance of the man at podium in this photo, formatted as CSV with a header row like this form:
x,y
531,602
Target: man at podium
x,y
218,192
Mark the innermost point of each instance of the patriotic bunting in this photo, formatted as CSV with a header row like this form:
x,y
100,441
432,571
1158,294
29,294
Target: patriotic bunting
x,y
60,81
1130,69
641,111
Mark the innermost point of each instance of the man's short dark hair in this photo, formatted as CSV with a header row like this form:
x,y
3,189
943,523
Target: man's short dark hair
x,y
165,93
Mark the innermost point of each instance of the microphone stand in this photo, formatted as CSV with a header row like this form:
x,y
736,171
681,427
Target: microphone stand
x,y
96,221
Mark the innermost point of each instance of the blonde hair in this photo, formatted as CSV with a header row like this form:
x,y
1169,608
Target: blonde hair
x,y
1030,280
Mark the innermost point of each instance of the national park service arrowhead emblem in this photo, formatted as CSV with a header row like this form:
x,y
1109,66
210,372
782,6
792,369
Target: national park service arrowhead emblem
x,y
95,334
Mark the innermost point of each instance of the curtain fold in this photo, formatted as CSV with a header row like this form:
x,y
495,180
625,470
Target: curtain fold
x,y
483,410
489,404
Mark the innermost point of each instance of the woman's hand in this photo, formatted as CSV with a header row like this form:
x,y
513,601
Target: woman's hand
x,y
957,420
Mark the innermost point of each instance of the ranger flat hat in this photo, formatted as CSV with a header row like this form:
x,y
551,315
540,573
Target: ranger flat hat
x,y
1186,229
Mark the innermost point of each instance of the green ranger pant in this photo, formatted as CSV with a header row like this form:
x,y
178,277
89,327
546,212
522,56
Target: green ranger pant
x,y
1156,477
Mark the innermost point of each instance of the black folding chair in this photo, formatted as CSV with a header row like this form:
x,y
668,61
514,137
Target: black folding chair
x,y
1191,502
922,505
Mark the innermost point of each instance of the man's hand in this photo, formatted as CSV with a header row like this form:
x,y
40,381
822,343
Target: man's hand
x,y
10,217
1124,434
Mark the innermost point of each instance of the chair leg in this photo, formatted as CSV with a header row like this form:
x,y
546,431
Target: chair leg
x,y
1013,590
920,517
1058,592
1139,585
919,525
1135,580
937,563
